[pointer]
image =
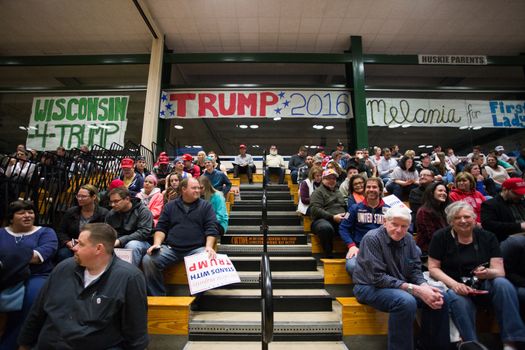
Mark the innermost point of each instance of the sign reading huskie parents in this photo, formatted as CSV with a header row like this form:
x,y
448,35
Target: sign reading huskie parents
x,y
74,121
204,273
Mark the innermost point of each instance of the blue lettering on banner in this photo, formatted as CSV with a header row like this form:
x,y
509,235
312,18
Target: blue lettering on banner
x,y
199,275
506,114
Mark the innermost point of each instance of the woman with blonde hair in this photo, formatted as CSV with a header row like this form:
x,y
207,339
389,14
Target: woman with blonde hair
x,y
217,201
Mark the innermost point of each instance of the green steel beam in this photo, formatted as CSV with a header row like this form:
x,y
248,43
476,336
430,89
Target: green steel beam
x,y
187,58
327,58
359,100
76,60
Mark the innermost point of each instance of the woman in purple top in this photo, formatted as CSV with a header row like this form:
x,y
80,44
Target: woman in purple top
x,y
26,252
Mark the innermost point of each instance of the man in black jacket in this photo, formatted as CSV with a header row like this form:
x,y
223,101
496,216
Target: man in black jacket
x,y
186,226
295,162
504,214
94,301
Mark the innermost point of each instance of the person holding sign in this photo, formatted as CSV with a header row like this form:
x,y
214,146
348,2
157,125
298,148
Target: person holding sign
x,y
186,226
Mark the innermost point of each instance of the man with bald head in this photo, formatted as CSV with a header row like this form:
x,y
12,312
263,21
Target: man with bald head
x,y
186,226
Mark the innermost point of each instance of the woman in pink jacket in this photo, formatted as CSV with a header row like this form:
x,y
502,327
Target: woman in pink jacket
x,y
465,191
152,197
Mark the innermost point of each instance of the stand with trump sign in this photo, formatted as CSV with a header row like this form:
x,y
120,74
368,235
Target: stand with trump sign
x,y
205,273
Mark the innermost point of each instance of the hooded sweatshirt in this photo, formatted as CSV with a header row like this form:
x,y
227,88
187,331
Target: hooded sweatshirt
x,y
154,201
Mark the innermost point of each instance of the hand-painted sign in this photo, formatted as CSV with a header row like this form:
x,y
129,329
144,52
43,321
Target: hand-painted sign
x,y
78,120
284,103
205,273
463,114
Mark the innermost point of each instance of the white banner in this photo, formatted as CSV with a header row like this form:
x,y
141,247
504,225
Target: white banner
x,y
257,103
74,121
445,113
204,273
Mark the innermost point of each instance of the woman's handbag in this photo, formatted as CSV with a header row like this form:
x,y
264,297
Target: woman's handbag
x,y
12,298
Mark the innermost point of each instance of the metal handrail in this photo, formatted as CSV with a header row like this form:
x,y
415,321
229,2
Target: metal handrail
x,y
266,302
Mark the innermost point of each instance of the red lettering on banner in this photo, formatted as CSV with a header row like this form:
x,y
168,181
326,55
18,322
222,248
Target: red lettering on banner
x,y
267,99
231,108
181,102
249,101
193,267
206,101
221,262
213,262
203,264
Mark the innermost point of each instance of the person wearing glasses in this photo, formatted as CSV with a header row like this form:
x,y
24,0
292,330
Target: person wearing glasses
x,y
133,222
415,197
87,211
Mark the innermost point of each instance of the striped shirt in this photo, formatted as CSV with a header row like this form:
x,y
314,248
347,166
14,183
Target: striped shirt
x,y
385,263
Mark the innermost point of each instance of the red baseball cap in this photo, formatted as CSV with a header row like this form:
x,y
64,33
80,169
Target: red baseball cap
x,y
127,163
242,146
516,185
116,183
164,159
187,157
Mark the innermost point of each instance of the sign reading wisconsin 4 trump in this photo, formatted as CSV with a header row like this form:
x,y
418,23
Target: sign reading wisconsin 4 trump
x,y
74,121
256,103
463,114
205,273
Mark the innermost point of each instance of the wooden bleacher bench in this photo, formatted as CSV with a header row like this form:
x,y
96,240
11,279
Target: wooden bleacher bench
x,y
335,272
339,246
169,315
359,319
307,224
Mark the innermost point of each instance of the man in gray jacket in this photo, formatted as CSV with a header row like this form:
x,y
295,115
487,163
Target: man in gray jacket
x,y
133,222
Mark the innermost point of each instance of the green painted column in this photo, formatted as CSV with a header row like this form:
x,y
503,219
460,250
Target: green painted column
x,y
355,75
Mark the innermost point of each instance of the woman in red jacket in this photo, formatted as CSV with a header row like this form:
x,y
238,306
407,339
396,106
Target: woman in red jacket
x,y
465,191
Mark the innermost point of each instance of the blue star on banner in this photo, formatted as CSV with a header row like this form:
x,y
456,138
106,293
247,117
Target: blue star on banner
x,y
281,94
277,110
286,103
166,109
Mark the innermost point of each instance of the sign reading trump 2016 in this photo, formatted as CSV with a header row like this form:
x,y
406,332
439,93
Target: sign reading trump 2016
x,y
74,121
256,103
204,273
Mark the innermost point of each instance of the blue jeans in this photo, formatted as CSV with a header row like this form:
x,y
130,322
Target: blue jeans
x,y
15,319
503,298
154,264
402,308
350,265
278,171
139,250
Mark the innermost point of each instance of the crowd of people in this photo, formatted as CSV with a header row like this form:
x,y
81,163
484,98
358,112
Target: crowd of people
x,y
463,208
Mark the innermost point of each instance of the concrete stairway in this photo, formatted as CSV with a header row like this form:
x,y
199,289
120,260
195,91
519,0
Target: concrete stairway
x,y
230,317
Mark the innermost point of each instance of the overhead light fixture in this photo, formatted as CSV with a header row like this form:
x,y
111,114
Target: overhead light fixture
x,y
254,126
406,126
313,146
187,146
178,127
464,127
430,146
318,127
329,127
277,118
197,146
91,126
477,127
21,127
421,146
32,128
255,146
242,126
393,126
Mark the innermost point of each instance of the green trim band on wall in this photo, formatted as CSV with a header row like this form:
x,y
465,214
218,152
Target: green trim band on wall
x,y
199,58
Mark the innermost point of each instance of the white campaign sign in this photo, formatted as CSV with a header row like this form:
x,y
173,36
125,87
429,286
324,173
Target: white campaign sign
x,y
256,103
392,201
445,113
124,254
204,273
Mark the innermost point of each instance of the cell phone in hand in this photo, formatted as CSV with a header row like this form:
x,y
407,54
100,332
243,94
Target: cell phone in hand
x,y
155,249
485,265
